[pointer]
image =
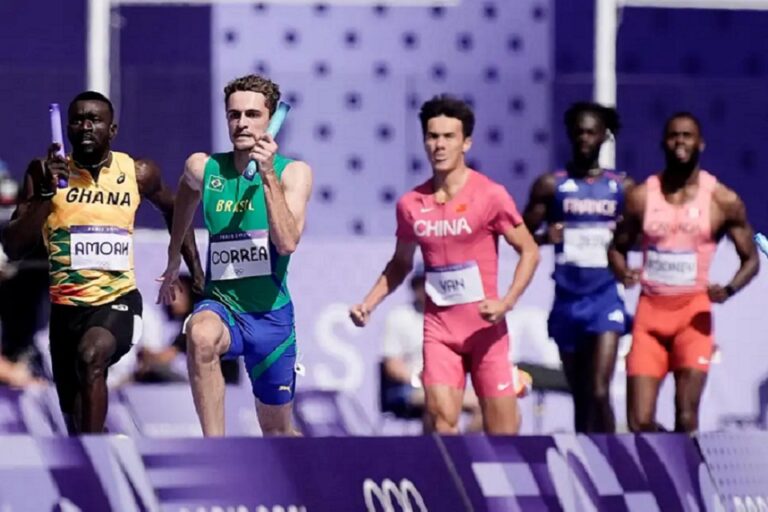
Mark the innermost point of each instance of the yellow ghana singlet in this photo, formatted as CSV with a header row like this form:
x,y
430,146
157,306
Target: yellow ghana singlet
x,y
89,235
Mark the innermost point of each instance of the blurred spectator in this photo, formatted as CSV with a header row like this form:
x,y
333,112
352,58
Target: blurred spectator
x,y
23,296
402,393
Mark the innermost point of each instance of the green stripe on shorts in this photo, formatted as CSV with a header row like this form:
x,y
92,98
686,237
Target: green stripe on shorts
x,y
258,370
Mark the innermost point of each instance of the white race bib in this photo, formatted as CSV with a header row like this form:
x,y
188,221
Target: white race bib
x,y
240,255
586,246
455,284
100,248
671,268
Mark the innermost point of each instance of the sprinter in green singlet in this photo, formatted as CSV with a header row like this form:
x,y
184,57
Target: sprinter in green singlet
x,y
254,226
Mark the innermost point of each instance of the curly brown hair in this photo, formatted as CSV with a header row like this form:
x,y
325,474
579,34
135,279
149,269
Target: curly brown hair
x,y
255,83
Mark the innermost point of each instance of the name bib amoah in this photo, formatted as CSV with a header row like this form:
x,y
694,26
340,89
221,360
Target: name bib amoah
x,y
455,284
671,268
100,248
240,255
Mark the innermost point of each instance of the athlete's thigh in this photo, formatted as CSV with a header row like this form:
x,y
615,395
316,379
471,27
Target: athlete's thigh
x,y
689,386
642,394
607,312
694,344
444,401
121,319
647,356
270,355
443,365
489,361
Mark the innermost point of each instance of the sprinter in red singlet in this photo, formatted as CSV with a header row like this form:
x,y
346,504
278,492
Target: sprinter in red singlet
x,y
456,218
681,214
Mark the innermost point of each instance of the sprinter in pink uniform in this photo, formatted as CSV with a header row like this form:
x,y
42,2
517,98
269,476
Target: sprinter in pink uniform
x,y
456,219
681,214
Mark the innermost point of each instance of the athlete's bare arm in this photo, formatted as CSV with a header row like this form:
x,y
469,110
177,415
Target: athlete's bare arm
x,y
286,201
393,276
152,187
536,211
187,198
522,241
286,198
732,222
626,235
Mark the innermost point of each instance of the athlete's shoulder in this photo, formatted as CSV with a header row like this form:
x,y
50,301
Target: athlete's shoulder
x,y
419,191
201,158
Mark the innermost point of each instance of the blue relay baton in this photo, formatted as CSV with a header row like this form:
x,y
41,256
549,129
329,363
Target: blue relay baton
x,y
272,129
762,243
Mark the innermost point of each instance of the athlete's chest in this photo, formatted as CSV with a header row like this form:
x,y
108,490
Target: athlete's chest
x,y
235,201
462,219
113,190
663,220
588,200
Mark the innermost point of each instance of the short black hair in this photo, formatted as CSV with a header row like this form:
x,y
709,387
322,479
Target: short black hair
x,y
608,115
448,106
682,115
93,96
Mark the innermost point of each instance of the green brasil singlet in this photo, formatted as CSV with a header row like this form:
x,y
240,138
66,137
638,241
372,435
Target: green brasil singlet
x,y
245,271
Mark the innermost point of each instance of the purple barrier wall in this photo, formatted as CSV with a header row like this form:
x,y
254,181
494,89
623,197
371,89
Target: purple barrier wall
x,y
566,472
561,473
738,463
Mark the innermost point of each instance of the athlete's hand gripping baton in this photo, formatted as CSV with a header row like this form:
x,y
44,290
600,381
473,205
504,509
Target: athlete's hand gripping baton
x,y
272,129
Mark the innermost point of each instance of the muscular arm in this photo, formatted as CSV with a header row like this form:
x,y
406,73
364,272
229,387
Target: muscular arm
x,y
24,231
626,234
394,274
541,194
520,238
286,201
736,227
152,187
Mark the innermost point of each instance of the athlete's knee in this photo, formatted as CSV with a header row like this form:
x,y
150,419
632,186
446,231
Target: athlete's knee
x,y
601,392
443,419
641,422
204,333
687,420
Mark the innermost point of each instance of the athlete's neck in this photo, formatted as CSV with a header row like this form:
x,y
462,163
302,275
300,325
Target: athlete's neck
x,y
92,163
447,184
584,169
678,176
241,160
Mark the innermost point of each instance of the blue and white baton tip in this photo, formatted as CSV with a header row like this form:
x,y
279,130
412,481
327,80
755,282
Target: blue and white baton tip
x,y
762,243
275,123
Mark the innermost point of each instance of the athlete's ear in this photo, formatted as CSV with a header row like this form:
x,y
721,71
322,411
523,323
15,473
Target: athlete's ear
x,y
467,144
702,145
112,131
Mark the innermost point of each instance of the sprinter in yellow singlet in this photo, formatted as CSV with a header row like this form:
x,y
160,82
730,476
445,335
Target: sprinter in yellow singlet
x,y
84,206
